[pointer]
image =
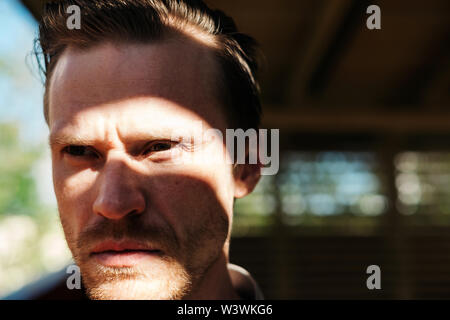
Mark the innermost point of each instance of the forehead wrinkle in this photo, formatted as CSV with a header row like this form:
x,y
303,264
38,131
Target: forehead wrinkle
x,y
175,97
120,73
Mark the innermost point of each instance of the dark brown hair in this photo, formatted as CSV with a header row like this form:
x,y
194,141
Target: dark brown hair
x,y
151,20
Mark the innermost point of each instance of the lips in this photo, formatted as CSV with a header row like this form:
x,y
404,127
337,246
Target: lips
x,y
123,253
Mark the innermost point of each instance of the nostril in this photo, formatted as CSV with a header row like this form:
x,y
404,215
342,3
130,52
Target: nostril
x,y
116,200
133,213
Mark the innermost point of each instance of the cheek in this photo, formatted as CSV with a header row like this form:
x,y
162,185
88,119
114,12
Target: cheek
x,y
73,193
191,203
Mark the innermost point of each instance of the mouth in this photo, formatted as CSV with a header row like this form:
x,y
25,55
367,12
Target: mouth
x,y
124,253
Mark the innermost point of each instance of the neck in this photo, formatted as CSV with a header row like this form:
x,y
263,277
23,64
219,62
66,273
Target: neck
x,y
216,283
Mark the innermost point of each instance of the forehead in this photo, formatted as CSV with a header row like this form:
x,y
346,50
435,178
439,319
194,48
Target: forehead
x,y
185,74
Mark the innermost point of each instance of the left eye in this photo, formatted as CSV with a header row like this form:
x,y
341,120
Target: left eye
x,y
159,146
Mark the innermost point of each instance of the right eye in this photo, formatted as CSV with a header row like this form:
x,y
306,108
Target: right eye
x,y
79,151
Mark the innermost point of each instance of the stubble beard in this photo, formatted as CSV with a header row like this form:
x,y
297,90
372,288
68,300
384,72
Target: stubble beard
x,y
164,280
172,276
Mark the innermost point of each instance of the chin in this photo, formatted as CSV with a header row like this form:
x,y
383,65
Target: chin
x,y
136,290
164,282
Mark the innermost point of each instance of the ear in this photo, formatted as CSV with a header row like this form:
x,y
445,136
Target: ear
x,y
246,176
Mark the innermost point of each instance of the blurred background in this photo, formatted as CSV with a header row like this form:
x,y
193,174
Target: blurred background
x,y
364,179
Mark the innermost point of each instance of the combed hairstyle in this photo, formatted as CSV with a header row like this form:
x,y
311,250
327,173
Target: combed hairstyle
x,y
147,21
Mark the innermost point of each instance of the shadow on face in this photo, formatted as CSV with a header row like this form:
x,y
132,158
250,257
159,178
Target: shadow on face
x,y
188,226
121,118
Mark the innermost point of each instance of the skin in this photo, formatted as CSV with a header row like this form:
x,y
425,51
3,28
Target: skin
x,y
117,175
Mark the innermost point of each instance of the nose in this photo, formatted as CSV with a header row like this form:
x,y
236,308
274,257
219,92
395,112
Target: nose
x,y
118,192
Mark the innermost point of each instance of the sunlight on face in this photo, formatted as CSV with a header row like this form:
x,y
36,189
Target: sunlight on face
x,y
165,279
139,224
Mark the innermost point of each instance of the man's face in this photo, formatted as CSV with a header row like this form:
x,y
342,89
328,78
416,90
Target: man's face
x,y
139,223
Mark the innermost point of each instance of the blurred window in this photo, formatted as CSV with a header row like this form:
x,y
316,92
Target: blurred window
x,y
323,184
317,188
423,185
257,209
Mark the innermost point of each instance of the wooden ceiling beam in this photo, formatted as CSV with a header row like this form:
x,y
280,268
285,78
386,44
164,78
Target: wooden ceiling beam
x,y
438,89
311,54
354,121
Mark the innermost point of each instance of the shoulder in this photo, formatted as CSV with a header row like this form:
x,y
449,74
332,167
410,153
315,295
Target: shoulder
x,y
244,283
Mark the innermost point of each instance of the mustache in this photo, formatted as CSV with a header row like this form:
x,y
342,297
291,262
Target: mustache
x,y
130,228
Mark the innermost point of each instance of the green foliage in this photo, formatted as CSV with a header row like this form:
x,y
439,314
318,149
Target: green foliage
x,y
18,193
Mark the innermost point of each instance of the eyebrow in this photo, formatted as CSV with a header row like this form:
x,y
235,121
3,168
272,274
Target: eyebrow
x,y
58,139
62,139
